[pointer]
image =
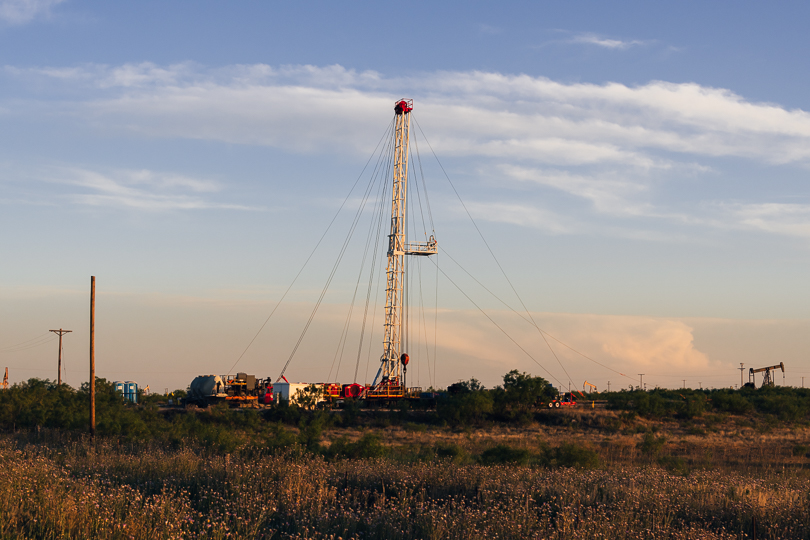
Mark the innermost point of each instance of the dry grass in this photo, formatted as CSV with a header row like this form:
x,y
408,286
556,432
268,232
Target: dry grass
x,y
102,490
715,441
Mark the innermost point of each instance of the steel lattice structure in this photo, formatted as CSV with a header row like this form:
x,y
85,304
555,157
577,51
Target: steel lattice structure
x,y
391,373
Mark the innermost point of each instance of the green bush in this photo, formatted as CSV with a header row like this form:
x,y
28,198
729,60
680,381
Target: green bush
x,y
692,407
450,451
731,402
368,446
674,465
468,403
574,455
651,445
505,454
520,395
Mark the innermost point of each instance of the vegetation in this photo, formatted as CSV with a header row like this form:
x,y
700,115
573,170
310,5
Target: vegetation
x,y
103,490
485,463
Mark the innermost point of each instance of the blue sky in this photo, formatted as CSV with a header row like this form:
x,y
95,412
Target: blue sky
x,y
639,169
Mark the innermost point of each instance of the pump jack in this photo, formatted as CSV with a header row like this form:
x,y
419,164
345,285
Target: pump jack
x,y
767,378
591,386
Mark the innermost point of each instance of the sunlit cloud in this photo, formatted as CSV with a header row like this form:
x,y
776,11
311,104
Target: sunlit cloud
x,y
610,144
24,11
510,116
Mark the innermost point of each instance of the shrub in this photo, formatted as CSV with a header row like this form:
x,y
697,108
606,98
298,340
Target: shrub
x,y
503,454
368,446
651,445
350,413
450,451
468,403
520,394
785,406
692,407
730,402
674,465
277,438
310,430
574,455
283,411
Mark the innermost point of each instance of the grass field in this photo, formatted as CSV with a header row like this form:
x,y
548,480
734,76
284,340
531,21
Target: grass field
x,y
481,464
595,475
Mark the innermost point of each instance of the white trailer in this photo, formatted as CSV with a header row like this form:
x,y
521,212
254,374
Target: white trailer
x,y
284,391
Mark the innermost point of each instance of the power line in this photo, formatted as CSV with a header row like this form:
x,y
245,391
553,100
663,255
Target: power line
x,y
497,262
532,322
312,253
499,327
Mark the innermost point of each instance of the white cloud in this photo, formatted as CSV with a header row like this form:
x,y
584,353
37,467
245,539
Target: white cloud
x,y
23,11
779,218
523,215
609,193
607,43
141,190
469,113
611,144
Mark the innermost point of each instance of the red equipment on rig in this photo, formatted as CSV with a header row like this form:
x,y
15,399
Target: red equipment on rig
x,y
403,106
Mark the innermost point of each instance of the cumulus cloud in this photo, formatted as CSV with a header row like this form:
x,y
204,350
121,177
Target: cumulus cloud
x,y
23,11
619,347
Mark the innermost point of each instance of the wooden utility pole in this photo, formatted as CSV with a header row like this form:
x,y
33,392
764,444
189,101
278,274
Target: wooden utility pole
x,y
92,356
61,333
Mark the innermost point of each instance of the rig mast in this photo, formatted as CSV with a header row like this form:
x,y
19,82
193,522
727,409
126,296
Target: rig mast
x,y
390,378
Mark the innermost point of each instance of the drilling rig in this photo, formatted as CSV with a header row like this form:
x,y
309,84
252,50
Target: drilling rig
x,y
767,378
390,383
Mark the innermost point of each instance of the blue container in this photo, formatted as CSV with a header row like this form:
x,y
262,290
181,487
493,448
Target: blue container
x,y
131,391
127,390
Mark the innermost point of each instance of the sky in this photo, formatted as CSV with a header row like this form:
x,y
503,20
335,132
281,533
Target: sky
x,y
630,176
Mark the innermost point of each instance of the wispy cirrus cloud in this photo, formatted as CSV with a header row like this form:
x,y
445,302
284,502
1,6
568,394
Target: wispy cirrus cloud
x,y
24,11
604,42
489,29
139,189
788,219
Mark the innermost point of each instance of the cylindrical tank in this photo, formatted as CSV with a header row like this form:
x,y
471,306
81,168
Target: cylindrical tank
x,y
206,385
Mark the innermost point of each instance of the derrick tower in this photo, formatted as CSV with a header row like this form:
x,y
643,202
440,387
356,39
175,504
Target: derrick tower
x,y
390,380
